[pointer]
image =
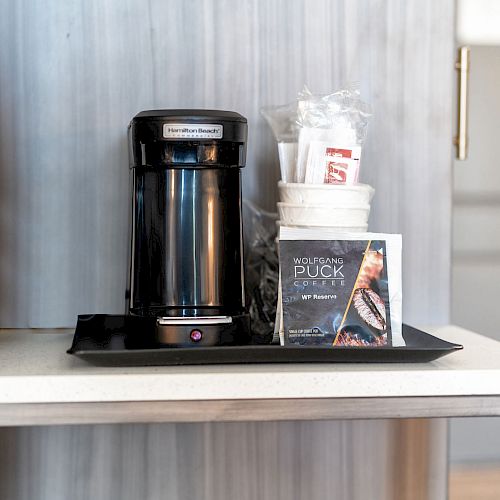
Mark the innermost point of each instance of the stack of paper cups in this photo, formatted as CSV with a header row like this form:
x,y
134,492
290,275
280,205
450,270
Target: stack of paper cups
x,y
342,207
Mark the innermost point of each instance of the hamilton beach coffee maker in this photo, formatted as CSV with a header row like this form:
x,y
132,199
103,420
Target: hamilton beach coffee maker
x,y
186,271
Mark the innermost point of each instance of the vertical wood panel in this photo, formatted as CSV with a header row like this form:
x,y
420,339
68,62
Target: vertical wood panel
x,y
244,461
73,73
420,463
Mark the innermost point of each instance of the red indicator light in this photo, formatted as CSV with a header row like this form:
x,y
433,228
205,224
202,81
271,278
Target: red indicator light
x,y
196,335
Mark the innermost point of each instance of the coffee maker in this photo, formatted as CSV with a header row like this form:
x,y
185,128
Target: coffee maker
x,y
186,266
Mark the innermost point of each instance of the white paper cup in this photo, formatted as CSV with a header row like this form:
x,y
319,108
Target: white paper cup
x,y
325,194
340,229
323,215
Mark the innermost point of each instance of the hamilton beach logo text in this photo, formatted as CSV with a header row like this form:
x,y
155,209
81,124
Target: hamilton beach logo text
x,y
192,131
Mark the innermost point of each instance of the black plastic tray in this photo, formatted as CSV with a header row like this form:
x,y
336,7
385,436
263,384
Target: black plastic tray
x,y
420,347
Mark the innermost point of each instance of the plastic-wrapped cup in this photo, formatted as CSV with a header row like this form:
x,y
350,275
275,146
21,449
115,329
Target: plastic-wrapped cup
x,y
325,194
323,215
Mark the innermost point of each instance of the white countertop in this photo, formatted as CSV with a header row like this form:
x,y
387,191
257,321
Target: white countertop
x,y
35,370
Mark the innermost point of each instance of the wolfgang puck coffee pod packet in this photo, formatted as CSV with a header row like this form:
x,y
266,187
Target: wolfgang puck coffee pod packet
x,y
340,289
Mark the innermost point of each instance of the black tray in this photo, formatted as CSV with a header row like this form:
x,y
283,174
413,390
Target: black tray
x,y
420,348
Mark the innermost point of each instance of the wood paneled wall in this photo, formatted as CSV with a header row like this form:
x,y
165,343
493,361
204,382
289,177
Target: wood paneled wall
x,y
73,73
359,460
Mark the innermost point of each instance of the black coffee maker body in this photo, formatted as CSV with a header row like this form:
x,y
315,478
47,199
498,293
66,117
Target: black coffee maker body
x,y
187,248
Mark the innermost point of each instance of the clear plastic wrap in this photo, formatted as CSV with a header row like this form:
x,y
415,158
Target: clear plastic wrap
x,y
283,123
262,270
343,113
320,137
332,133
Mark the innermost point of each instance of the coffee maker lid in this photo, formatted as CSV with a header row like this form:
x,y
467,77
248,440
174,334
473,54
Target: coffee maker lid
x,y
189,124
191,114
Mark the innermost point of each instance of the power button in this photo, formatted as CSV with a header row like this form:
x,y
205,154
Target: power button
x,y
196,335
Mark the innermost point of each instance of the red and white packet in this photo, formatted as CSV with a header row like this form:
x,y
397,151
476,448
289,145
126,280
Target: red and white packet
x,y
332,164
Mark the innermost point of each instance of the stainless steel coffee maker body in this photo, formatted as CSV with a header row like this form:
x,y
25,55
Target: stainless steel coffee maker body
x,y
187,249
